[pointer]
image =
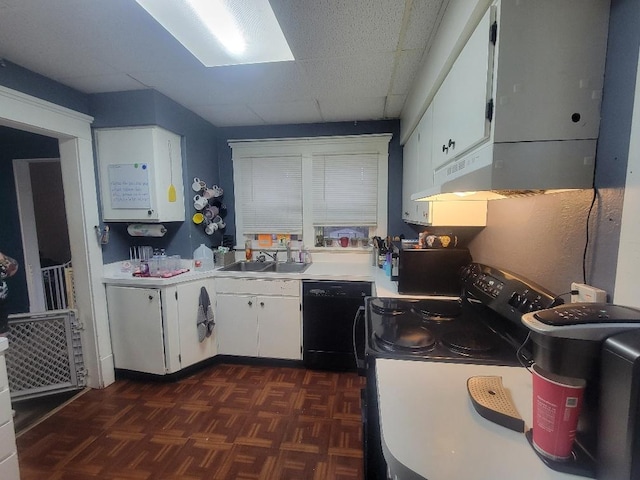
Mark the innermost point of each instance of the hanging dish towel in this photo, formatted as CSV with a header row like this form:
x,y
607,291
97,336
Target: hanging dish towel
x,y
205,318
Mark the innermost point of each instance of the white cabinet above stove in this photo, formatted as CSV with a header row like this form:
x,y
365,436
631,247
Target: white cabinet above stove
x,y
529,117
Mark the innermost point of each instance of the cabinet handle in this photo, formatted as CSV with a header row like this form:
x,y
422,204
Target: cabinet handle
x,y
149,212
262,304
150,297
249,303
451,145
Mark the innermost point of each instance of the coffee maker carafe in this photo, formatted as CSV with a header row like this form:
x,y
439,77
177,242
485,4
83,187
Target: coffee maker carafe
x,y
599,343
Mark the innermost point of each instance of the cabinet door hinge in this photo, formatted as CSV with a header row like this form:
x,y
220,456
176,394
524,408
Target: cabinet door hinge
x,y
493,33
490,110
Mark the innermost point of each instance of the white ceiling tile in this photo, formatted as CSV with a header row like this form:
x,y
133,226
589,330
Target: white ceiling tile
x,y
103,83
422,22
394,106
408,65
360,76
338,109
303,111
330,28
229,115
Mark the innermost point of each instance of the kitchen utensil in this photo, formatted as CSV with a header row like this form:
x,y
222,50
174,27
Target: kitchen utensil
x,y
492,401
213,192
199,202
198,218
211,211
198,185
171,193
210,228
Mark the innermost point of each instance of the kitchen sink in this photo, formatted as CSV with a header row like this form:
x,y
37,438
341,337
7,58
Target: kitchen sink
x,y
267,267
243,266
289,267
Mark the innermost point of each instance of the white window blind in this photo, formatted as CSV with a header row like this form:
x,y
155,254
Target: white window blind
x,y
345,189
268,192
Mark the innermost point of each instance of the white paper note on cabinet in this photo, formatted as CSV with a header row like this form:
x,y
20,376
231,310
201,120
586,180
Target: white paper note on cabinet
x,y
129,185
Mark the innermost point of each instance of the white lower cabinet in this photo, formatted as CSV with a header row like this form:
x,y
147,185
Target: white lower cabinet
x,y
155,330
9,469
259,318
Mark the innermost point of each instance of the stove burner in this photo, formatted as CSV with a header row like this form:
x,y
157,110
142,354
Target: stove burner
x,y
438,310
468,342
389,306
413,338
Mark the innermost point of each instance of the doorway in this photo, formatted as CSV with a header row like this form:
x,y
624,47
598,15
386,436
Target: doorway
x,y
73,133
44,230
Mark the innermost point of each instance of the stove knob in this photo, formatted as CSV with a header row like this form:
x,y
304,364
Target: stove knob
x,y
515,300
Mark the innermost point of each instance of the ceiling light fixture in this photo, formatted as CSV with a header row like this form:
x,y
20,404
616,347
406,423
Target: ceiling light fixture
x,y
223,32
221,23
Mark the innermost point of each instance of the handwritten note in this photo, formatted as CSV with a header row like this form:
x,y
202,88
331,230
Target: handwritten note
x,y
129,186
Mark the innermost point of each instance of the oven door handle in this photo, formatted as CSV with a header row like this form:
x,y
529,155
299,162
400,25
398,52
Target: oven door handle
x,y
359,317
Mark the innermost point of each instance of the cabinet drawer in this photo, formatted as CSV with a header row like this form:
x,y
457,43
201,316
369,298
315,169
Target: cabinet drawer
x,y
255,286
7,441
5,406
9,469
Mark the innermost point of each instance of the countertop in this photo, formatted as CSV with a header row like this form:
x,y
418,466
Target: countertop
x,y
429,425
348,269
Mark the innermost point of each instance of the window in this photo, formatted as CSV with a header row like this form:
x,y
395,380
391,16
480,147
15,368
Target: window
x,y
269,194
345,190
305,185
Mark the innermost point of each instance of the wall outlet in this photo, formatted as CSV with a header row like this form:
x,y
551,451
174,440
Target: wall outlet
x,y
587,294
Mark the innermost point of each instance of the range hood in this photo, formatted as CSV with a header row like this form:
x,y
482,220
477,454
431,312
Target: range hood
x,y
502,170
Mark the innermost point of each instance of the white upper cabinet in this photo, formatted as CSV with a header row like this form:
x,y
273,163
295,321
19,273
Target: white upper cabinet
x,y
418,175
460,105
550,69
140,175
409,176
519,109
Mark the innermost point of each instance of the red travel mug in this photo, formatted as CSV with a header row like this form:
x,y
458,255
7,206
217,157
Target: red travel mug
x,y
556,407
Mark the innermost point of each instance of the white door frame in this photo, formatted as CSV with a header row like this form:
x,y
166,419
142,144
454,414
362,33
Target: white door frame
x,y
73,131
30,245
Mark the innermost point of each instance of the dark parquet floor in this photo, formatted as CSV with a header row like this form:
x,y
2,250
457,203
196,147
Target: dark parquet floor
x,y
226,422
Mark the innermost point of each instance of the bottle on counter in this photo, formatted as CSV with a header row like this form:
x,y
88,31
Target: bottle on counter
x,y
248,250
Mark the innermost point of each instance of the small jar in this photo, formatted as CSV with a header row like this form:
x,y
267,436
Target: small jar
x,y
144,268
248,250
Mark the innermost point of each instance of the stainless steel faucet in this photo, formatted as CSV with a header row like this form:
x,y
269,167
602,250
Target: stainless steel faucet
x,y
289,257
273,256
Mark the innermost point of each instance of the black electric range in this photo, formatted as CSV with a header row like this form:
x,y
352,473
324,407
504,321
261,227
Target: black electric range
x,y
482,326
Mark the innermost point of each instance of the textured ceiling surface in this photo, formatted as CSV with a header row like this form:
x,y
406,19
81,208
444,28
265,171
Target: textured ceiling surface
x,y
354,59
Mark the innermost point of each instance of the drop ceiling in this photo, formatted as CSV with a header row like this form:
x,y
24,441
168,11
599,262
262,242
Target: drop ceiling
x,y
356,60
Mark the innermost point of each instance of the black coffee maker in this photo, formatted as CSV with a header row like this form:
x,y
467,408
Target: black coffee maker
x,y
599,343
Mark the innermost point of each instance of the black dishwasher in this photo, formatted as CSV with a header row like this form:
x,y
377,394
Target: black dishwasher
x,y
330,332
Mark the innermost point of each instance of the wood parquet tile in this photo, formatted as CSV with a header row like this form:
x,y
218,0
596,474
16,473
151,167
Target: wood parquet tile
x,y
226,421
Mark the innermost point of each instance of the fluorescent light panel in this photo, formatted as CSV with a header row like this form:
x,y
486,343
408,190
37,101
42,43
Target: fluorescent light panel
x,y
223,32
